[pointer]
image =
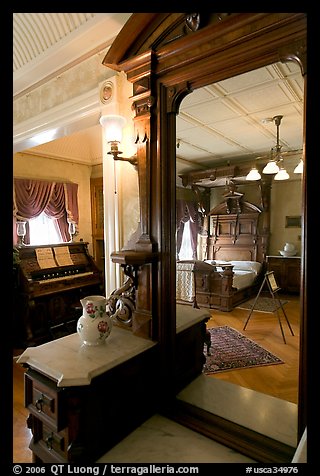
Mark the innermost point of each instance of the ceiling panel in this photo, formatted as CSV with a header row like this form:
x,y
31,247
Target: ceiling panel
x,y
204,112
83,147
263,99
199,96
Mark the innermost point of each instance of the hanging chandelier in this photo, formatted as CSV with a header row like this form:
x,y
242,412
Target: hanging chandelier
x,y
275,165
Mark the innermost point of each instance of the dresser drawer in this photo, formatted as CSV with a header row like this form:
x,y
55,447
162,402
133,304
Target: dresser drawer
x,y
54,442
44,400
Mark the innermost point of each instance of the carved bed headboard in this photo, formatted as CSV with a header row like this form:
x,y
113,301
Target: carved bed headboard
x,y
233,232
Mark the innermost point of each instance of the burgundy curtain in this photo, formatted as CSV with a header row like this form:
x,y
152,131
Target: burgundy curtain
x,y
57,200
187,210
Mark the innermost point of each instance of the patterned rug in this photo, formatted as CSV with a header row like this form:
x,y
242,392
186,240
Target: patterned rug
x,y
263,304
231,350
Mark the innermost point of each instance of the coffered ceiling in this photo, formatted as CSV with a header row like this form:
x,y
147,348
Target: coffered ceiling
x,y
220,124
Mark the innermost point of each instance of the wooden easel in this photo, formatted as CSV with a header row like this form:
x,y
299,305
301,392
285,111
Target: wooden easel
x,y
273,288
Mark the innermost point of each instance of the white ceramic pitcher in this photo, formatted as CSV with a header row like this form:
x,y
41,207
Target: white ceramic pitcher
x,y
94,326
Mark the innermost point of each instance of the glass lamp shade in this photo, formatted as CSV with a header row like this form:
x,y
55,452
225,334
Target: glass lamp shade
x,y
21,228
72,229
21,231
282,175
253,174
299,168
112,126
271,168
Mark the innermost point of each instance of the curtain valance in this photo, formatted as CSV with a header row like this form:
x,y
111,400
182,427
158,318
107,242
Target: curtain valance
x,y
58,200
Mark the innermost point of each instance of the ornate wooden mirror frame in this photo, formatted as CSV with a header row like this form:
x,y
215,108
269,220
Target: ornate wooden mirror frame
x,y
166,56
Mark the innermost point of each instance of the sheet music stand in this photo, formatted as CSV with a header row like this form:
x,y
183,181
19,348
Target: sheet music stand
x,y
273,288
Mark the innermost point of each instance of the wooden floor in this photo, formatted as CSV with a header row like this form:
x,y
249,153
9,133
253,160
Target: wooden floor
x,y
21,434
277,380
280,381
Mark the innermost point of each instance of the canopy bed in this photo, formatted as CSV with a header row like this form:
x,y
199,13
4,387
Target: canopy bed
x,y
233,267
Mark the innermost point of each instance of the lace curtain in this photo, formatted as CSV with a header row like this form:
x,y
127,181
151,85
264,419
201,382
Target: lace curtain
x,y
187,210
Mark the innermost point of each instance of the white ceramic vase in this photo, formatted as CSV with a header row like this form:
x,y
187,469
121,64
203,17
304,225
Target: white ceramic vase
x,y
94,326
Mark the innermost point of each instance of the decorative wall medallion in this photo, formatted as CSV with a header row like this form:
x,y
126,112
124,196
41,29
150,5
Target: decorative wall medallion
x,y
106,92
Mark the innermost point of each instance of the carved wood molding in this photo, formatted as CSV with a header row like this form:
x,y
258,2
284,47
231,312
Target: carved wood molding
x,y
223,171
296,52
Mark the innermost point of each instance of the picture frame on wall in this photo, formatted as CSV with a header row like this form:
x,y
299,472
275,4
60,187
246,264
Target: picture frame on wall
x,y
293,221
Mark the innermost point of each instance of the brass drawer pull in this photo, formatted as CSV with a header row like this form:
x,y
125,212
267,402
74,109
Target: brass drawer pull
x,y
39,404
42,401
49,441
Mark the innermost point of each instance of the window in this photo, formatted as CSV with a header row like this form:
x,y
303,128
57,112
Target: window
x,y
186,248
44,230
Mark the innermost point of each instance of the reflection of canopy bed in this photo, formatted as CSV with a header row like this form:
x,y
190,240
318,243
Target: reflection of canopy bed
x,y
233,268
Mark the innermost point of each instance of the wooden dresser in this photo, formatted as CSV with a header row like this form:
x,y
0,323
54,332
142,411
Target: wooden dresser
x,y
286,271
82,400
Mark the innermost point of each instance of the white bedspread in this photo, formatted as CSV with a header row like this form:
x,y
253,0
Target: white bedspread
x,y
242,278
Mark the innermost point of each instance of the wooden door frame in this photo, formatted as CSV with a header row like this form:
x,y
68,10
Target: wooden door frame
x,y
170,55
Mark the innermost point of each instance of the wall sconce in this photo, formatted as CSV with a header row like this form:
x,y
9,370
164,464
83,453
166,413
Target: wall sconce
x,y
112,126
21,232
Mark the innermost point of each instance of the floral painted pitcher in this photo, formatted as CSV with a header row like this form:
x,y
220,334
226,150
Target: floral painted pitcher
x,y
94,326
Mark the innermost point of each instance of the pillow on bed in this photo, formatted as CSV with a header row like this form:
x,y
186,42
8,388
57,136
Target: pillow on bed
x,y
217,262
253,266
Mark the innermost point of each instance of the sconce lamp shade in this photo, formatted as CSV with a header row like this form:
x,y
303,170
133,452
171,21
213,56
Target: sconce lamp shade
x,y
21,231
282,175
299,168
253,174
112,126
271,168
72,229
21,228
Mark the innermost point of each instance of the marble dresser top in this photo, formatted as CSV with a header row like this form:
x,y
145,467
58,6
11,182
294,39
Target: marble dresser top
x,y
71,363
187,316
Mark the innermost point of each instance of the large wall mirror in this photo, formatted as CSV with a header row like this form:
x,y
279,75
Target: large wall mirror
x,y
230,124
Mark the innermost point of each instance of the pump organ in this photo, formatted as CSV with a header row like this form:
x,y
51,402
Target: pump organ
x,y
49,291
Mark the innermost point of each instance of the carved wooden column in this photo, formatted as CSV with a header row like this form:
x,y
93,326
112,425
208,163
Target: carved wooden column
x,y
264,234
142,255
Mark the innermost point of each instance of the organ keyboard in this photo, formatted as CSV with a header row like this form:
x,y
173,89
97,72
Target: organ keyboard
x,y
52,280
49,279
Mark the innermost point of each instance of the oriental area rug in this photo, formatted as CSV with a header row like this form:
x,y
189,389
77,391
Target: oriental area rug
x,y
263,304
231,350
